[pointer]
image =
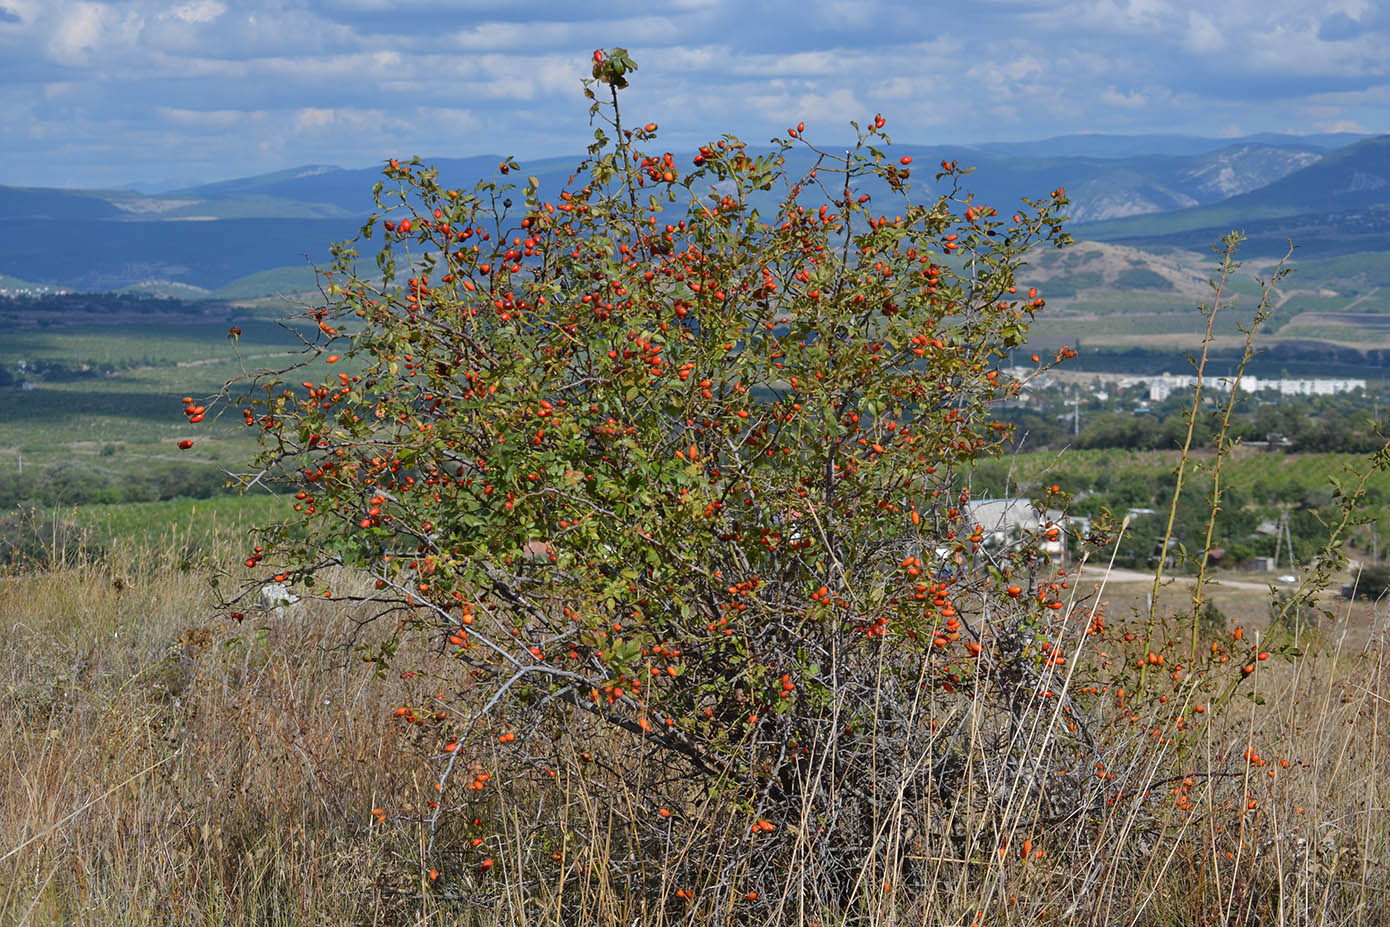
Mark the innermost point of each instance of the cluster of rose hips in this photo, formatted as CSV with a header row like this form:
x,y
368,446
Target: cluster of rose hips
x,y
194,413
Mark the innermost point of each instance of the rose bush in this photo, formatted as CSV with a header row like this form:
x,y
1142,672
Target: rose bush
x,y
662,483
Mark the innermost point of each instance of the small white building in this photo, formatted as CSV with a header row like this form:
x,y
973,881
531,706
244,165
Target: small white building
x,y
1003,521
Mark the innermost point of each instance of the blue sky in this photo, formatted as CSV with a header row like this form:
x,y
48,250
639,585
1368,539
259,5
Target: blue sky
x,y
150,91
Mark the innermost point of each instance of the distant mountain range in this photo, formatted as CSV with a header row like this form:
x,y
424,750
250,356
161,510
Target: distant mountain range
x,y
230,237
1098,145
1108,188
1337,205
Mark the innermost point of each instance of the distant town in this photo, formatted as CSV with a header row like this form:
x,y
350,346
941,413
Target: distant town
x,y
1162,385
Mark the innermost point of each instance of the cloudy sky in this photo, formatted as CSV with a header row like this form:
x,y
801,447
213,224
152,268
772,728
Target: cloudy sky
x,y
155,91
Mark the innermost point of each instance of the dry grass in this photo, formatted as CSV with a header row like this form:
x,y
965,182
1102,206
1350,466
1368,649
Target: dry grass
x,y
167,766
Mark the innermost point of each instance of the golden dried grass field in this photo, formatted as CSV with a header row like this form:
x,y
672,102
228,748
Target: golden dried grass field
x,y
165,765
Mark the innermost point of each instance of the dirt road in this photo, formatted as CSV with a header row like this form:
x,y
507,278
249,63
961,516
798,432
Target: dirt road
x,y
1096,574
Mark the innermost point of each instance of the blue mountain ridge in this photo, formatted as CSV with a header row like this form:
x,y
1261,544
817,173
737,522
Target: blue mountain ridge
x,y
214,235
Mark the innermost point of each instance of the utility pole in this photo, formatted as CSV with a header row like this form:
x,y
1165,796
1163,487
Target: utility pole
x,y
1288,536
1282,536
1278,540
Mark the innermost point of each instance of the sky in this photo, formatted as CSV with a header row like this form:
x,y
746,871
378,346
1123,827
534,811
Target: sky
x,y
155,93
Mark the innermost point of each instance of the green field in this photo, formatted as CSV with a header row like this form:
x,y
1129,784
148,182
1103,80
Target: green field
x,y
127,343
218,528
123,423
1346,273
1179,221
97,435
273,282
99,413
1128,321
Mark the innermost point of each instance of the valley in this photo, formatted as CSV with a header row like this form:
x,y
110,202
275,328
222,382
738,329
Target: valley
x,y
116,304
1144,221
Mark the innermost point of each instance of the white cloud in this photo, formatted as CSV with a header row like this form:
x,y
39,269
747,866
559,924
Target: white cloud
x,y
374,6
209,119
823,62
62,90
1129,17
1340,125
25,11
492,36
449,119
844,14
832,110
1203,37
199,11
79,32
311,118
373,123
529,36
1146,11
897,88
1356,9
1132,99
1005,114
